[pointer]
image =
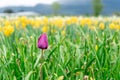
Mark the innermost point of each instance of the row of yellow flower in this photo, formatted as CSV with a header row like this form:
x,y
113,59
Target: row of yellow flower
x,y
8,25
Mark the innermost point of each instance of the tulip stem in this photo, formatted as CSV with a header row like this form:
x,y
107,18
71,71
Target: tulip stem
x,y
41,69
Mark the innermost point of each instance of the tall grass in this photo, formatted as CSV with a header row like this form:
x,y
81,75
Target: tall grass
x,y
80,52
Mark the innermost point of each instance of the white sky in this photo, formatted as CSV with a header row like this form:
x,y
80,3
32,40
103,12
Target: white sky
x,y
4,3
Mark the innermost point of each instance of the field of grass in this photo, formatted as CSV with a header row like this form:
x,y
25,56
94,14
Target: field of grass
x,y
79,47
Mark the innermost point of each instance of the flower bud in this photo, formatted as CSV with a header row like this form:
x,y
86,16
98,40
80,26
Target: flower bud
x,y
43,41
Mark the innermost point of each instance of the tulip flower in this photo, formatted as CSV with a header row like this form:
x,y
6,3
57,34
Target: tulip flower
x,y
43,42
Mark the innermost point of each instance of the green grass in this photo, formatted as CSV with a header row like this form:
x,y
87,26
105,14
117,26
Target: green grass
x,y
72,55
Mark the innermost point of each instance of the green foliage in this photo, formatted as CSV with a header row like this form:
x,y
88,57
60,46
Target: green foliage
x,y
72,56
8,11
117,13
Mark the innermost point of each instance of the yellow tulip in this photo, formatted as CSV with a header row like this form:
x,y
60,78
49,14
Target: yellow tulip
x,y
45,29
8,30
102,26
112,26
96,47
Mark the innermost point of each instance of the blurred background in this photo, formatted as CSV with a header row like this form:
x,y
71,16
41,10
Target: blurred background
x,y
60,7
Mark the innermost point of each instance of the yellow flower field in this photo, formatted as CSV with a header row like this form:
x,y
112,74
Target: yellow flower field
x,y
7,26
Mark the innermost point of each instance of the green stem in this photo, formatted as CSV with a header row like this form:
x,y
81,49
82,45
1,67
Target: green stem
x,y
41,70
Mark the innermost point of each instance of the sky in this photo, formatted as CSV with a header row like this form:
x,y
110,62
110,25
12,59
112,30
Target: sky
x,y
4,3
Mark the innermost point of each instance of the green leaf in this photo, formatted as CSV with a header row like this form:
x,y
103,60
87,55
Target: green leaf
x,y
29,74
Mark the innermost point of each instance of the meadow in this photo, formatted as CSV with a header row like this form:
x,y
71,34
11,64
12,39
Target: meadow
x,y
79,47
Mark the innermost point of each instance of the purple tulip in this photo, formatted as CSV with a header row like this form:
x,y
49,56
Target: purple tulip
x,y
43,41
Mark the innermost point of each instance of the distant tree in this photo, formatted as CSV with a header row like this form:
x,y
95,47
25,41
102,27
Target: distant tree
x,y
97,6
55,7
8,11
117,13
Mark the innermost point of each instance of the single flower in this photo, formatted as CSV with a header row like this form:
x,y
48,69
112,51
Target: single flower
x,y
43,41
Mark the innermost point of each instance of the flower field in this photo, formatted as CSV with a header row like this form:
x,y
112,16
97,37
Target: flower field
x,y
79,48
